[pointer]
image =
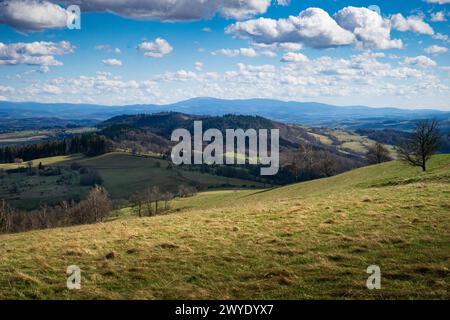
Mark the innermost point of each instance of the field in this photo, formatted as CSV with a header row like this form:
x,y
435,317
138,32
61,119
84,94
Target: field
x,y
346,140
33,136
123,175
307,241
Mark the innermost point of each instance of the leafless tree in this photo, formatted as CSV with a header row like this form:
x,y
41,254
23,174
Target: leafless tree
x,y
327,164
97,204
6,217
186,191
423,144
138,200
377,153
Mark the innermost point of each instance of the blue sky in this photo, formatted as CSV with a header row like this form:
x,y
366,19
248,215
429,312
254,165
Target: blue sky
x,y
337,52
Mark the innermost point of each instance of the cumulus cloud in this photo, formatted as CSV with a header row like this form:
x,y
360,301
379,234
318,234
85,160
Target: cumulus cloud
x,y
112,62
438,1
35,53
32,15
436,49
371,30
438,16
325,79
35,15
420,61
414,24
246,52
6,89
176,10
108,48
294,57
156,49
313,27
283,2
199,66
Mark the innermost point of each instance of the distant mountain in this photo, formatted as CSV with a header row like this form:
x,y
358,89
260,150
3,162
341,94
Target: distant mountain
x,y
308,113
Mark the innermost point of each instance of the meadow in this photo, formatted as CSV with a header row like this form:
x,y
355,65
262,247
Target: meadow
x,y
123,175
312,240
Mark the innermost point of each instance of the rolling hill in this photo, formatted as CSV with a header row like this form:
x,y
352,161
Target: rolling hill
x,y
307,113
311,240
123,174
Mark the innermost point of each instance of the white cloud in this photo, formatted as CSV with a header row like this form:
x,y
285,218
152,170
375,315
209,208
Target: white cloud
x,y
35,15
371,30
199,66
176,10
438,16
35,53
112,62
207,29
436,49
442,37
156,49
294,57
315,28
32,15
420,61
358,79
312,27
6,89
414,24
244,52
438,1
284,46
108,48
283,2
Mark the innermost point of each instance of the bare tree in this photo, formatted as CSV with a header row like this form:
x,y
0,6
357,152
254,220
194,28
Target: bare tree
x,y
137,199
97,204
423,144
302,161
6,217
166,197
327,165
377,153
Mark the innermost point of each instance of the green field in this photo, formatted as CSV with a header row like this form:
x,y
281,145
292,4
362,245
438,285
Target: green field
x,y
307,241
123,174
346,140
33,136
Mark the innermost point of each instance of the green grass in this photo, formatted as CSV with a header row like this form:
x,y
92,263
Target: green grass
x,y
313,240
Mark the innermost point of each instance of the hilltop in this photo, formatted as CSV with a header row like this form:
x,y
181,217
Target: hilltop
x,y
305,241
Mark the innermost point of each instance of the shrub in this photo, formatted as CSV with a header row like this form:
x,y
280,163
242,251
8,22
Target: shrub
x,y
91,178
75,166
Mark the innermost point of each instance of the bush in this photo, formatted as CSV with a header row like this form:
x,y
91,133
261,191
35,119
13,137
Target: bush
x,y
91,178
75,166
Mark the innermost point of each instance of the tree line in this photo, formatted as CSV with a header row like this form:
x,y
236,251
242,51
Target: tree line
x,y
95,208
90,144
153,201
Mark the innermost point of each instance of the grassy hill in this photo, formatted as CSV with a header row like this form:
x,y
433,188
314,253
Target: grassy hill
x,y
123,174
306,241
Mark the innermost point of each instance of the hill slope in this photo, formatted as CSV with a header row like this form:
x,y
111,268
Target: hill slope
x,y
123,174
311,240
